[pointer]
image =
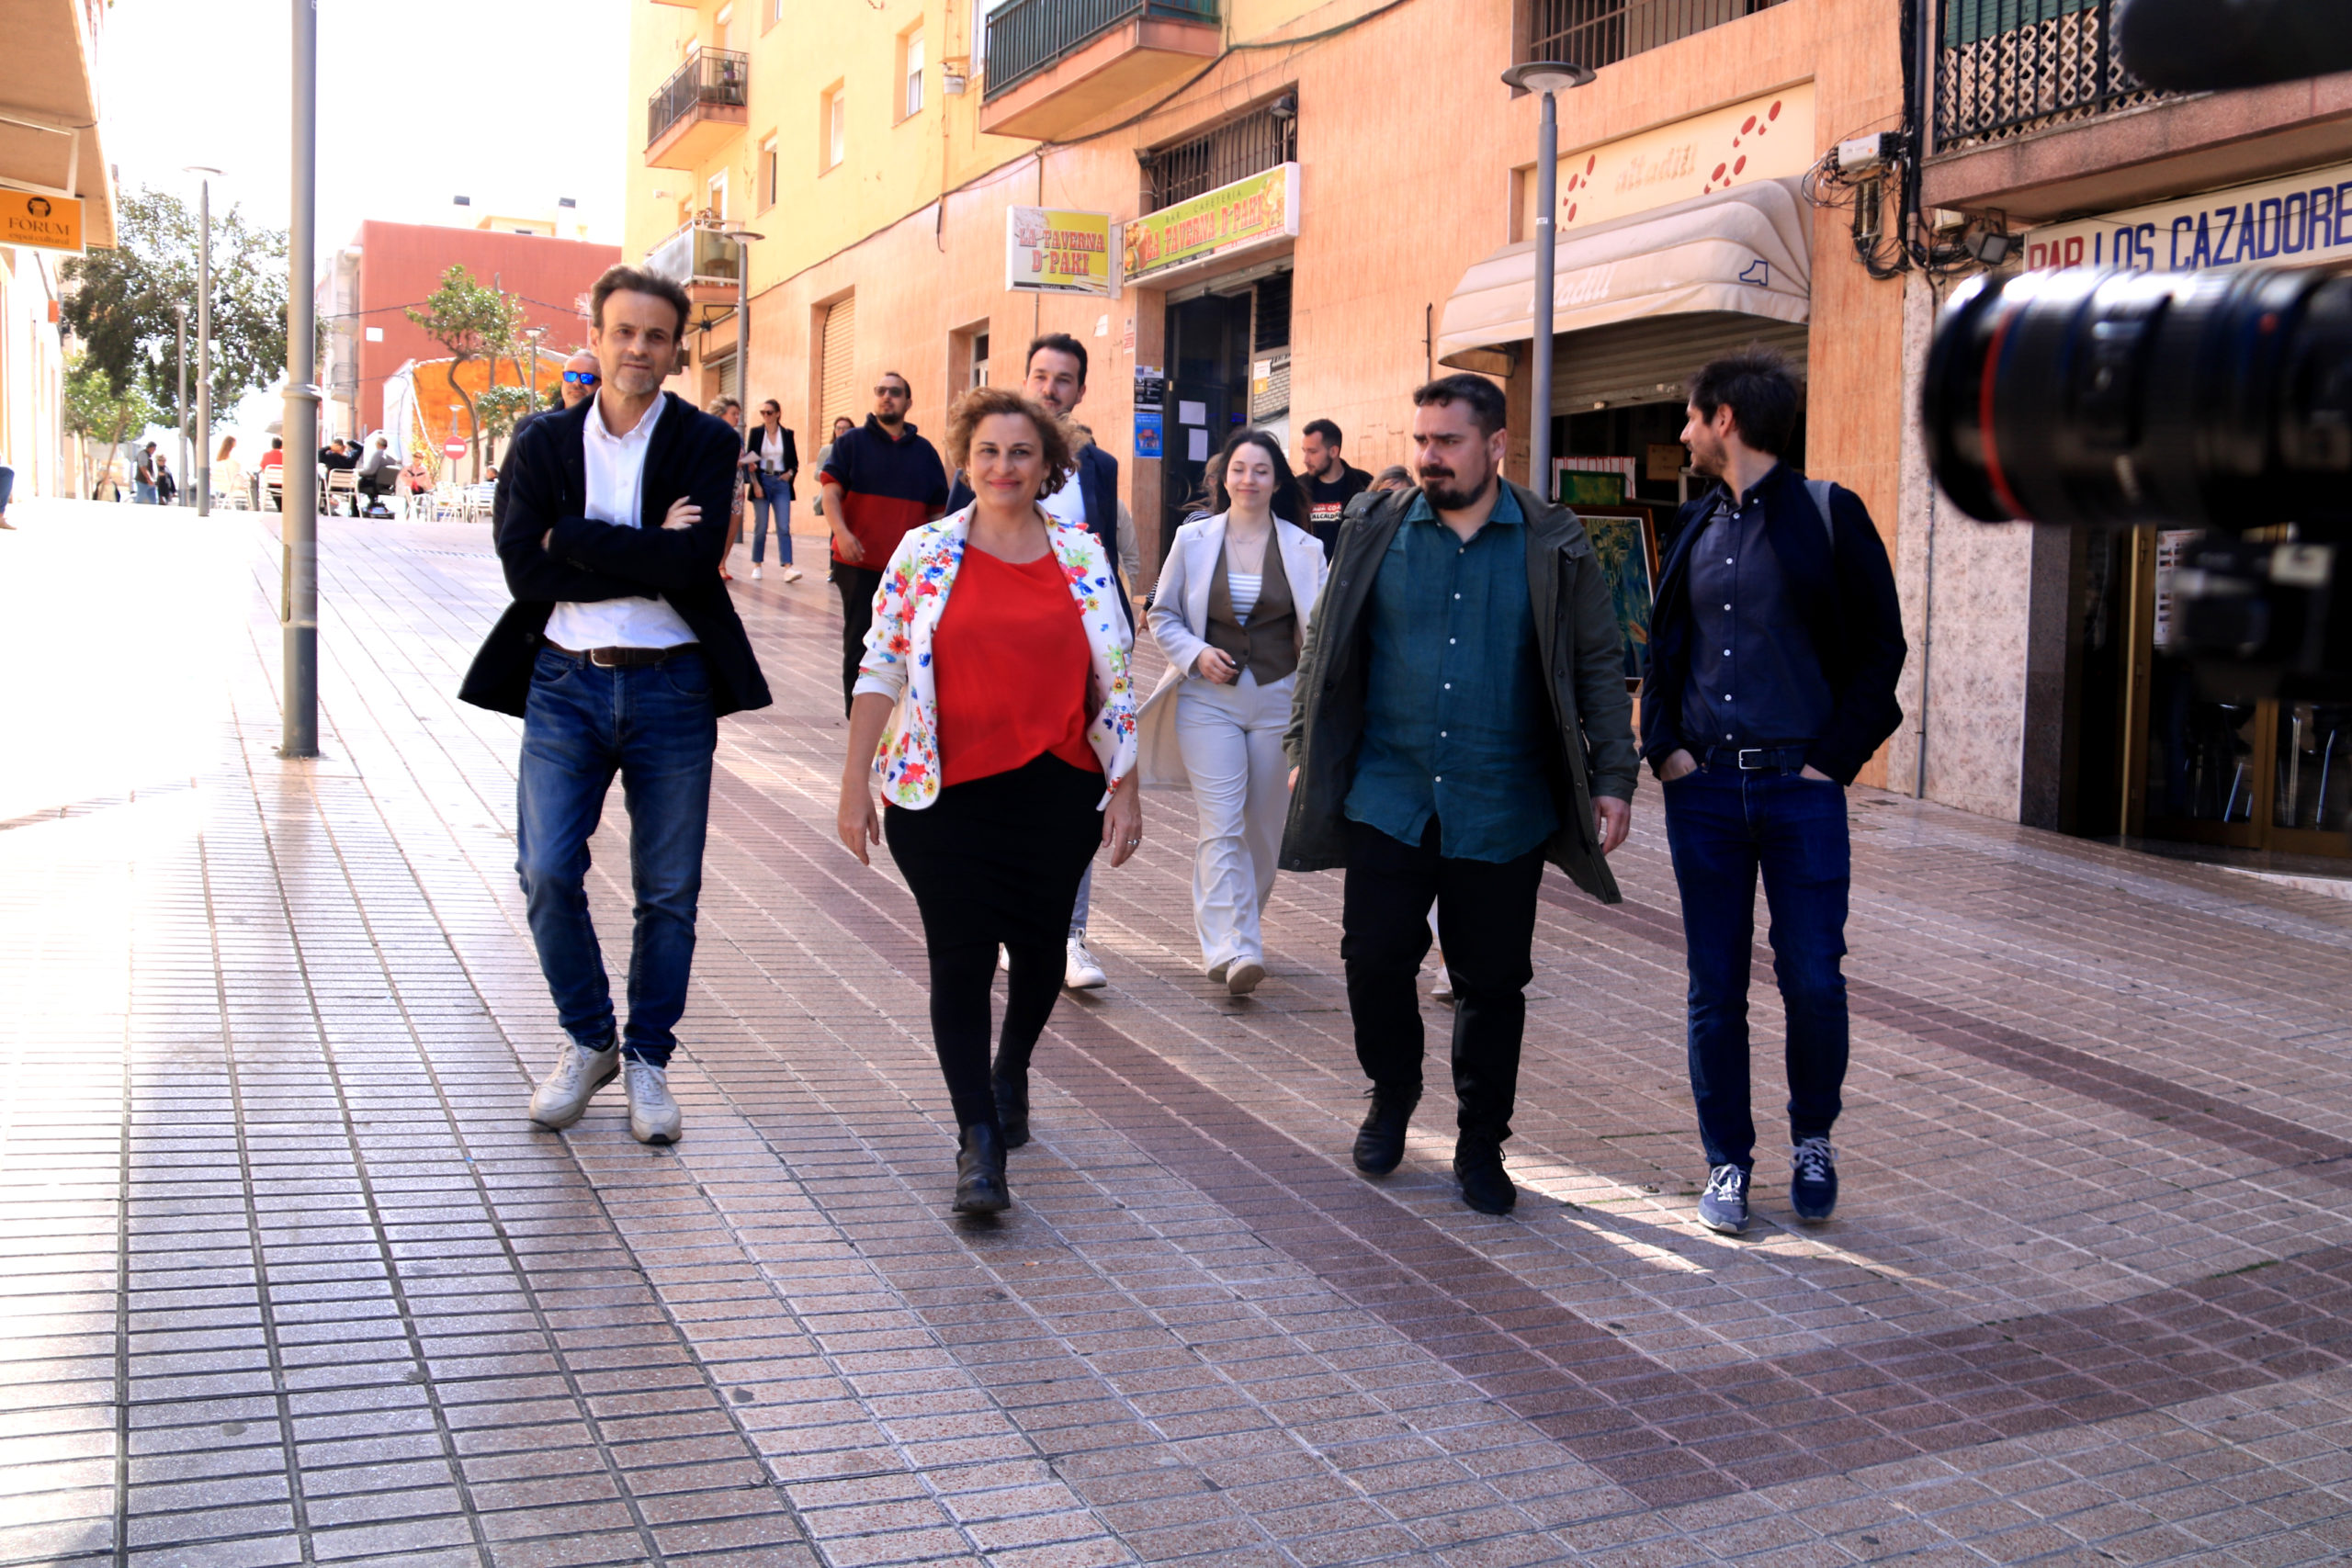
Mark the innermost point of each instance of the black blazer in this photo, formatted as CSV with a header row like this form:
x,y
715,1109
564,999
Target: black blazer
x,y
692,455
1845,596
787,461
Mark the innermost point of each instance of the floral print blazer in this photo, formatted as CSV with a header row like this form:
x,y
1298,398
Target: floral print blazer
x,y
896,664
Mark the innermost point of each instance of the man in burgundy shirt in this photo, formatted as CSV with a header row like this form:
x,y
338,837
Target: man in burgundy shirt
x,y
879,479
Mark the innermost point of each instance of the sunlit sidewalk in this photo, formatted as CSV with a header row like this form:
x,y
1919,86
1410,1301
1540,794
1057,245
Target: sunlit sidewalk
x,y
292,1279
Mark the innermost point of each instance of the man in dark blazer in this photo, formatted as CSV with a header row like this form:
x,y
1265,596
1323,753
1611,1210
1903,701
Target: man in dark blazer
x,y
1055,375
621,653
1774,648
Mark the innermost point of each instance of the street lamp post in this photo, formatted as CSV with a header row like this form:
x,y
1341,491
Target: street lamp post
x,y
180,407
743,238
1551,78
204,341
298,481
536,334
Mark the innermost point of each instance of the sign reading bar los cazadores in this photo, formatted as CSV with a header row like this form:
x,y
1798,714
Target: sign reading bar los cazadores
x,y
40,222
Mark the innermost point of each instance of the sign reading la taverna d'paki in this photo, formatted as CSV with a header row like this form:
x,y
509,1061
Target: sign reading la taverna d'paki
x,y
1048,251
1213,226
40,222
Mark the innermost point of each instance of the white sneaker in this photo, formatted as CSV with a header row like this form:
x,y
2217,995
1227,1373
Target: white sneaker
x,y
792,574
1081,973
1242,976
756,573
653,1113
564,1093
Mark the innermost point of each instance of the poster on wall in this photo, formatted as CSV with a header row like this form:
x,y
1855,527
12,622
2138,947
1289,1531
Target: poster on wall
x,y
1048,251
1212,228
1148,432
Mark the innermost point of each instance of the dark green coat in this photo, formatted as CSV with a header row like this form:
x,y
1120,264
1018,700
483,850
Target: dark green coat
x,y
1576,637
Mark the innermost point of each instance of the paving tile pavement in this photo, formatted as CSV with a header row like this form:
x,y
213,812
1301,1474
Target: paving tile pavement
x,y
291,1278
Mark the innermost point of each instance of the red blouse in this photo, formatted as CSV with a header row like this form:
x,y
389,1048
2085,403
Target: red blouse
x,y
1009,666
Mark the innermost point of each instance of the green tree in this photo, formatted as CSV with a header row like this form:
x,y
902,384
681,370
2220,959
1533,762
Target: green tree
x,y
120,304
501,409
94,411
471,323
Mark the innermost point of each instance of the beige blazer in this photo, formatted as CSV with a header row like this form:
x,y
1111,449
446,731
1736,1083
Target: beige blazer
x,y
1179,622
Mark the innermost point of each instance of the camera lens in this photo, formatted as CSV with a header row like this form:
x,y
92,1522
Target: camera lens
x,y
2209,398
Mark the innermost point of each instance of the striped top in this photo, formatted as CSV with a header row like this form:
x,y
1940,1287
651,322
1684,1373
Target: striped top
x,y
1244,587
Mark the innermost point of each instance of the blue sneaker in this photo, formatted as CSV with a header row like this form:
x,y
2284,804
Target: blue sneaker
x,y
1724,1205
1812,1181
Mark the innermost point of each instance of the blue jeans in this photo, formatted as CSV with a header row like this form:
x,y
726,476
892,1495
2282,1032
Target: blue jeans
x,y
1725,826
760,506
655,726
144,492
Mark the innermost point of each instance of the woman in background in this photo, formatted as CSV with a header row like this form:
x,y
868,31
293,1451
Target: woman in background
x,y
1231,613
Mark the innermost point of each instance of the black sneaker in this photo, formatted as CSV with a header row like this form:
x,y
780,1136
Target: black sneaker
x,y
1380,1142
1485,1185
1812,1181
1724,1205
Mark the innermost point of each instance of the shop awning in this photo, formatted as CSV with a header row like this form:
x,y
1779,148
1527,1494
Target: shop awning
x,y
1746,250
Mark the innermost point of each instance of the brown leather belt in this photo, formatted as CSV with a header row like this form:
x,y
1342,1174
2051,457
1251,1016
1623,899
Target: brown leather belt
x,y
624,658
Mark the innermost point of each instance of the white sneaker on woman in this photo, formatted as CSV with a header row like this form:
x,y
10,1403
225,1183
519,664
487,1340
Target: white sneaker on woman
x,y
792,574
1081,973
756,573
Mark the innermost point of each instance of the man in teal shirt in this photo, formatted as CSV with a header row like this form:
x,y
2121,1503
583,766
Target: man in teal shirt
x,y
1462,719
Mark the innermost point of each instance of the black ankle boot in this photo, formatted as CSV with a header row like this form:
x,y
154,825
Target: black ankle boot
x,y
1013,1108
1486,1186
1380,1142
980,1186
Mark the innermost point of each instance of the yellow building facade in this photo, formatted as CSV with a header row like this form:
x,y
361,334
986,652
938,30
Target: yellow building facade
x,y
1322,205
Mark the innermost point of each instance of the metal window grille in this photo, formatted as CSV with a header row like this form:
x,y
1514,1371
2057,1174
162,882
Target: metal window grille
x,y
710,77
1026,36
1234,151
2007,68
1602,33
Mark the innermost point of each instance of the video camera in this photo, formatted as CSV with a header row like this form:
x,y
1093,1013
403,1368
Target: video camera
x,y
2219,400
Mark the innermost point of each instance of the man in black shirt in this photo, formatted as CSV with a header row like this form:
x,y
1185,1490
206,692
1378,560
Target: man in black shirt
x,y
1331,483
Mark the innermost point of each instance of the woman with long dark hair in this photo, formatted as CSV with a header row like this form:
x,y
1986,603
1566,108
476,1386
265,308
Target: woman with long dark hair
x,y
1231,613
993,704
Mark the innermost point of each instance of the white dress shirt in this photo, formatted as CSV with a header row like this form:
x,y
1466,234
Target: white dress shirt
x,y
615,474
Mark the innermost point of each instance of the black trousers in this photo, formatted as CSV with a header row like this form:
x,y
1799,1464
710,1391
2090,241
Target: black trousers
x,y
996,860
1485,917
858,585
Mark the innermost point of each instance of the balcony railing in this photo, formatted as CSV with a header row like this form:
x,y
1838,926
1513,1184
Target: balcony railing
x,y
1602,33
697,254
1257,141
710,78
1029,35
2006,68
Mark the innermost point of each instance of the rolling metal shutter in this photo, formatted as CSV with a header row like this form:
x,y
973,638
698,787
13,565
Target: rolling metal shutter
x,y
838,377
1645,361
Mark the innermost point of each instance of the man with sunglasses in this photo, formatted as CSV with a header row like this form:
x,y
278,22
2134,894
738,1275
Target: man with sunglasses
x,y
582,376
879,480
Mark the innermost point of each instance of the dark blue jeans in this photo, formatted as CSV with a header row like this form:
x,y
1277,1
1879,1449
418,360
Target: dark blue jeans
x,y
1724,827
654,724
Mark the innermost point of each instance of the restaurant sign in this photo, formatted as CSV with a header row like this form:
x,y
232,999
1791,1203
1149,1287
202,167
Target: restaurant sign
x,y
40,222
2294,221
1195,235
1768,137
1047,251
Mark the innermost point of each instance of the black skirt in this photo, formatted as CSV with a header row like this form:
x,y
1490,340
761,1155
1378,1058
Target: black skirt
x,y
999,859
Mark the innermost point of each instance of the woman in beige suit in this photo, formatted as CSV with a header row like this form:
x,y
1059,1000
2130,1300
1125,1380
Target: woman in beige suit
x,y
1231,612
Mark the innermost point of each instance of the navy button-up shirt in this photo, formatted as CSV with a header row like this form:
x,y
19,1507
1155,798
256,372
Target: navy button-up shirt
x,y
1755,679
1455,719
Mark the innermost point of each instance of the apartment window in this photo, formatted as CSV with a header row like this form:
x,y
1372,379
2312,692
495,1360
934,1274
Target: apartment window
x,y
717,205
768,174
980,359
771,12
910,75
833,127
1601,32
1255,143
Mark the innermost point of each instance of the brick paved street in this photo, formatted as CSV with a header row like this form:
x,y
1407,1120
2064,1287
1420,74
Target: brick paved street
x,y
291,1278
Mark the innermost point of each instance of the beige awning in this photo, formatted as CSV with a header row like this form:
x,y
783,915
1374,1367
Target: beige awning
x,y
1746,250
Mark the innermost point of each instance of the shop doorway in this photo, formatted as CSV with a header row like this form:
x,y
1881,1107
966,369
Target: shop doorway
x,y
2153,752
1229,366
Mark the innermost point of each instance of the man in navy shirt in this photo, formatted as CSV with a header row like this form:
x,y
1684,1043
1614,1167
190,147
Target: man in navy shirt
x,y
879,480
1774,648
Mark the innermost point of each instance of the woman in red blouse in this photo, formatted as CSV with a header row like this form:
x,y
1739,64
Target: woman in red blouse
x,y
1024,660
